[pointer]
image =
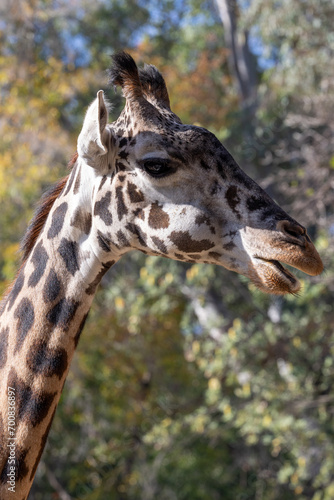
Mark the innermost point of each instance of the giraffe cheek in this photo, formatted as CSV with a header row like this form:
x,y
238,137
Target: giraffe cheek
x,y
158,218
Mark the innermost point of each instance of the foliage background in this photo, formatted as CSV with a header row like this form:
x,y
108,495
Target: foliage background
x,y
188,383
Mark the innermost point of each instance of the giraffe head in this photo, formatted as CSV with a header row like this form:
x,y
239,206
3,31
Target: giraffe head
x,y
172,189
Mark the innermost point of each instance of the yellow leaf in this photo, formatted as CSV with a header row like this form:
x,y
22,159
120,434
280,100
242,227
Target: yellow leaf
x,y
143,273
119,303
267,420
169,278
236,323
294,478
192,272
296,341
214,384
231,333
196,347
227,410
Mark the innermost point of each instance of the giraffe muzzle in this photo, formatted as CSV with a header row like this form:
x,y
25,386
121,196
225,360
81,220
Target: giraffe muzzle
x,y
291,245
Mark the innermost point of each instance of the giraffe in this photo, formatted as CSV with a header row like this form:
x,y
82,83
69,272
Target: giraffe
x,y
146,182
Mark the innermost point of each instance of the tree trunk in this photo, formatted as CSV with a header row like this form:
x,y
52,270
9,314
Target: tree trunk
x,y
242,63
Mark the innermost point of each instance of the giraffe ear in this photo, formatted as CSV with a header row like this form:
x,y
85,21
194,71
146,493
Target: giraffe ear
x,y
93,138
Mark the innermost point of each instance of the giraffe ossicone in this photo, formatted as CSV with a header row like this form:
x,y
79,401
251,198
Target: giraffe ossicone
x,y
147,182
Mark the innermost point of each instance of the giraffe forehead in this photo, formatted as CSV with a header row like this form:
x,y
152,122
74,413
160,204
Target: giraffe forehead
x,y
182,142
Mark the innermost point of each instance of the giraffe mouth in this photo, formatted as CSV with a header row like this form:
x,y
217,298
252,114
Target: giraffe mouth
x,y
272,277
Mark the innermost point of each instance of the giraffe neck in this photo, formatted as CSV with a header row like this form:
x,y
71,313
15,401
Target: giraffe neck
x,y
41,322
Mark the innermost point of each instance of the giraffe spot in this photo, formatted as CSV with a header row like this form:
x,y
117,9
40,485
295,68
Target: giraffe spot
x,y
101,209
233,198
31,406
255,203
103,241
90,290
158,218
25,315
215,188
77,183
39,259
193,256
136,196
178,256
231,234
120,166
159,244
16,290
69,251
43,442
62,313
134,229
221,170
47,361
139,212
122,209
122,239
3,346
82,220
57,221
123,142
123,155
79,332
203,219
185,243
229,246
103,180
215,255
51,288
204,165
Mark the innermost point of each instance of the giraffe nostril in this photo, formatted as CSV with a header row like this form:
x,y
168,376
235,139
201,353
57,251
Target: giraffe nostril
x,y
292,230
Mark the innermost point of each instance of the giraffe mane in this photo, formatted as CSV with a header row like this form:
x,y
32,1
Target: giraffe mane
x,y
41,213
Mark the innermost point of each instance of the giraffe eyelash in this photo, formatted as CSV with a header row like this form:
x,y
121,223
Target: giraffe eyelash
x,y
157,167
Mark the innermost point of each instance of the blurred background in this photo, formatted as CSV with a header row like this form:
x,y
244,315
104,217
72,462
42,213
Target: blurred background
x,y
188,383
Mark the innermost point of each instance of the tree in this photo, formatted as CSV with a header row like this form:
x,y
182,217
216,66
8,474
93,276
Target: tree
x,y
242,61
193,384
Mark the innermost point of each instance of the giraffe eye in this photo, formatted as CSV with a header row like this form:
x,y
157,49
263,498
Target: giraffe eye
x,y
156,167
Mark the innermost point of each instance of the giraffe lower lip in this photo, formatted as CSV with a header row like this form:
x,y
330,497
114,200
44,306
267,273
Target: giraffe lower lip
x,y
274,277
282,269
